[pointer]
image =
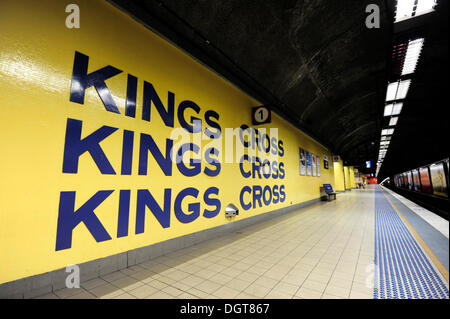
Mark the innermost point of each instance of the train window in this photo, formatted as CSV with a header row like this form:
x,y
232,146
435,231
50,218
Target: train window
x,y
438,179
425,180
409,176
416,180
448,173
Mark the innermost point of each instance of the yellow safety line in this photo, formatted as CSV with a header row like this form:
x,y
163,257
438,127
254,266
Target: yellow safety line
x,y
432,256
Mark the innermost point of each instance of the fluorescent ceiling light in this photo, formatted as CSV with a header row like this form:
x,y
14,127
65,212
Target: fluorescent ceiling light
x,y
387,131
403,87
397,90
404,9
397,108
388,109
412,56
407,9
393,121
391,91
425,6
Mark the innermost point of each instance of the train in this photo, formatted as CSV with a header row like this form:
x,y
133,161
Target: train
x,y
426,185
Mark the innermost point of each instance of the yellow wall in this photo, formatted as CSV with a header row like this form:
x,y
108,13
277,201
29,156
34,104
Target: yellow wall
x,y
349,177
352,177
36,64
339,176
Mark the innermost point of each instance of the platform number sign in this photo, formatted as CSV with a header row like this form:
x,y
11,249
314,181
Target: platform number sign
x,y
261,115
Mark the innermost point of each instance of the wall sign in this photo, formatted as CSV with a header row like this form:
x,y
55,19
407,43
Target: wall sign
x,y
318,165
302,161
313,160
261,115
124,153
308,163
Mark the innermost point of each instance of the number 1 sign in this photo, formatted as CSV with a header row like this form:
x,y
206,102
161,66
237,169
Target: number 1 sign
x,y
261,115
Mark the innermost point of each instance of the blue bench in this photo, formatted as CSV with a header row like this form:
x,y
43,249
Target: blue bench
x,y
329,191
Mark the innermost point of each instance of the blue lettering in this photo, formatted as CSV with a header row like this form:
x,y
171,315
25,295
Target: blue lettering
x,y
81,81
68,218
211,202
145,199
194,208
150,96
75,146
148,144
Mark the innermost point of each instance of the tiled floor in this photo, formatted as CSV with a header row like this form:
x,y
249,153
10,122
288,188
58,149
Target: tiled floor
x,y
324,251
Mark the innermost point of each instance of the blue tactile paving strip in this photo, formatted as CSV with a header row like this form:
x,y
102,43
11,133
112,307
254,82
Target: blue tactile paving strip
x,y
402,269
435,240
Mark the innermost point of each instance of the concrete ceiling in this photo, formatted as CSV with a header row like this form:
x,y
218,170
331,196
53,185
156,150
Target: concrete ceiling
x,y
314,61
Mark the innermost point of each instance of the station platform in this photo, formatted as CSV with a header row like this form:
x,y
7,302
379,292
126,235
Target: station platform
x,y
367,244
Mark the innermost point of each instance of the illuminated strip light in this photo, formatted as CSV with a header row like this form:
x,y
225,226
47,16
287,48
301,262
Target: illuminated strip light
x,y
393,109
403,87
387,131
393,121
391,91
412,56
407,9
397,90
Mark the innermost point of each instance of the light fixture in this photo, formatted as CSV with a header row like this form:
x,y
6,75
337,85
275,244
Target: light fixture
x,y
391,91
407,9
397,90
412,56
387,131
393,121
403,87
